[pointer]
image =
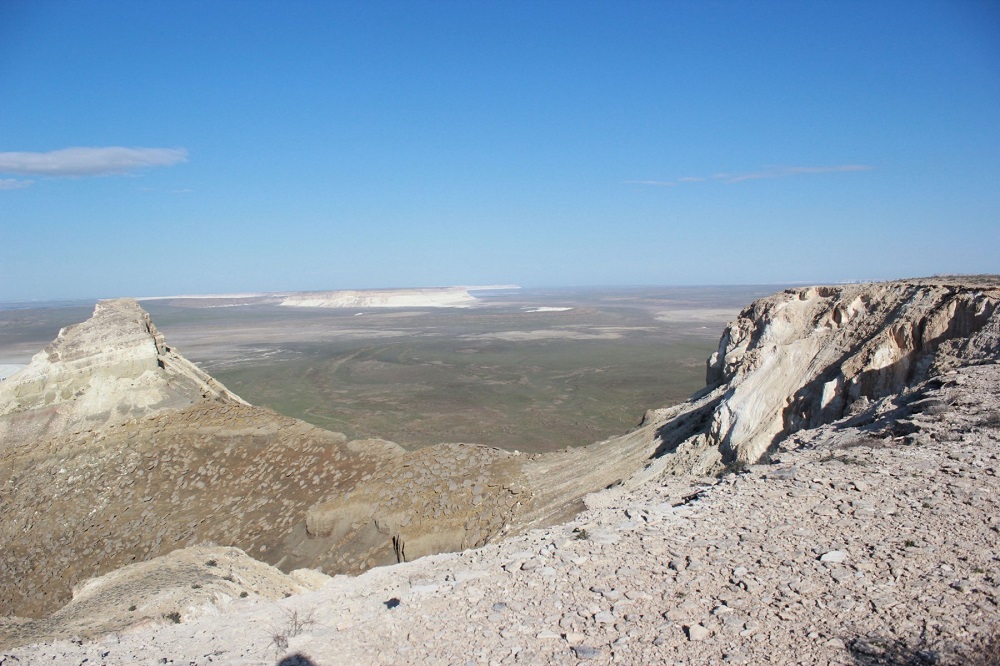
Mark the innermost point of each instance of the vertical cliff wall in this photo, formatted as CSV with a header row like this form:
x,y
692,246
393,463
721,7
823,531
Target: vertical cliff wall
x,y
809,356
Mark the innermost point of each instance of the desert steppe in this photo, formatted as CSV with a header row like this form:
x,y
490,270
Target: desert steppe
x,y
828,496
503,372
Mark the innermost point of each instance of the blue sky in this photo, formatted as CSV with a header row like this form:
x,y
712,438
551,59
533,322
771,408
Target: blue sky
x,y
152,148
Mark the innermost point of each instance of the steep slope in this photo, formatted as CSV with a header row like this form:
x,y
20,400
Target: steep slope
x,y
853,550
113,367
114,449
181,586
809,356
296,496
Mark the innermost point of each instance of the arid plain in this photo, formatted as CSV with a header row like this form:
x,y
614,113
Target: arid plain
x,y
522,369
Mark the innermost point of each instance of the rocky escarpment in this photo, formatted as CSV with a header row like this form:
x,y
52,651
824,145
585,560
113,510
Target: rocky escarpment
x,y
385,298
849,550
114,449
82,503
110,368
181,586
809,356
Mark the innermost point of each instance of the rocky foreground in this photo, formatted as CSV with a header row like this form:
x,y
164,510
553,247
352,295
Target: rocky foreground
x,y
871,543
869,536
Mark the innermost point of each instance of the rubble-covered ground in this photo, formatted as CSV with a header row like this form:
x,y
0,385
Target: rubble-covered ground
x,y
868,541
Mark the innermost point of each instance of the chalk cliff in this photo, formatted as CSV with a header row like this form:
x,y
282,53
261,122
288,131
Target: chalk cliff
x,y
110,368
95,478
430,297
810,356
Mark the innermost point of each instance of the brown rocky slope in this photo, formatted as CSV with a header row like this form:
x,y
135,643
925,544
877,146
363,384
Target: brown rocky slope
x,y
916,329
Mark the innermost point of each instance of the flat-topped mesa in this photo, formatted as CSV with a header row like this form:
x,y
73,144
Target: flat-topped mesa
x,y
809,356
112,367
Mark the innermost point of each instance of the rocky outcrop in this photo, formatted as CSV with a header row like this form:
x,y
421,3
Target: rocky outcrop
x,y
849,550
113,367
114,449
809,356
200,467
179,587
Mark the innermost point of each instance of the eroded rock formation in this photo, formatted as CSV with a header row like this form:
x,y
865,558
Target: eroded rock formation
x,y
95,478
114,449
110,368
809,356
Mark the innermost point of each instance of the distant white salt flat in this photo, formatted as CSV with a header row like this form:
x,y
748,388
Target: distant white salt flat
x,y
433,297
526,336
546,308
8,369
201,296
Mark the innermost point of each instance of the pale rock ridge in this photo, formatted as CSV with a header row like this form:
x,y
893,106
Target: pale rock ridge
x,y
787,362
854,549
809,356
110,368
178,587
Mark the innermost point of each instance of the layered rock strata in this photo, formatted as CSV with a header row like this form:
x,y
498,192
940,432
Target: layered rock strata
x,y
106,370
88,492
858,547
809,356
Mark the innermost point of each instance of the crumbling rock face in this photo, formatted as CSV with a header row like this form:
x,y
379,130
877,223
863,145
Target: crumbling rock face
x,y
809,356
187,583
462,496
114,450
113,367
97,472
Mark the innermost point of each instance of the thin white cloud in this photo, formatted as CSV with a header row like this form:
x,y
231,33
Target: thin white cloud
x,y
81,161
781,172
14,184
773,172
659,183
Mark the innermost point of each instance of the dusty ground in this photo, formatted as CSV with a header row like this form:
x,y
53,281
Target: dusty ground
x,y
871,544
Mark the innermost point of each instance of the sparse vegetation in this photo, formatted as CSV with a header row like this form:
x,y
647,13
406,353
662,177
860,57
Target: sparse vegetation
x,y
735,466
867,441
580,534
991,419
294,625
843,459
173,616
211,563
543,394
981,650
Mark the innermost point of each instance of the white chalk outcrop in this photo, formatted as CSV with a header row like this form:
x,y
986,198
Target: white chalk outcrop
x,y
112,367
809,356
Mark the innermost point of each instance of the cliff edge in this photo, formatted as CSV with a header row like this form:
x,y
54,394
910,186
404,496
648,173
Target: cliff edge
x,y
110,368
810,356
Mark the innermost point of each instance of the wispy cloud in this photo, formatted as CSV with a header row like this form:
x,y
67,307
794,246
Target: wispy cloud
x,y
771,172
14,184
659,183
111,160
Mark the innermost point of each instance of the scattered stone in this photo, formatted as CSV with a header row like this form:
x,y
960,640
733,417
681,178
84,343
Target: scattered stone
x,y
586,652
834,557
696,632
